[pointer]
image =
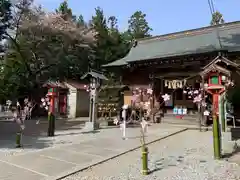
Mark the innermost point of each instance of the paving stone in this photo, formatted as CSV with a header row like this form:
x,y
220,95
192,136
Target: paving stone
x,y
93,150
186,156
69,156
43,165
10,172
71,152
117,145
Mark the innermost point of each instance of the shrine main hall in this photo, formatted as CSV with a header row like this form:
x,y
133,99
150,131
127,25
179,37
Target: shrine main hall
x,y
168,62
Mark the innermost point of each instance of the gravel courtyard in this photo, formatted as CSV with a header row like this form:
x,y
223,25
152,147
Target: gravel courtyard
x,y
186,156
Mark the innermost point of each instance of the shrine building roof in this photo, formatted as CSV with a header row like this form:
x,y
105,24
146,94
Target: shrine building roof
x,y
195,41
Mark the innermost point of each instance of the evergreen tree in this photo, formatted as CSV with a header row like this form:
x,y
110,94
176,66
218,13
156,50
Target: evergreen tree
x,y
110,43
65,11
101,48
138,26
217,18
5,20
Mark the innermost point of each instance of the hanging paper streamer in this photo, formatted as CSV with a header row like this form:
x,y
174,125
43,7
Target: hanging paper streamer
x,y
174,84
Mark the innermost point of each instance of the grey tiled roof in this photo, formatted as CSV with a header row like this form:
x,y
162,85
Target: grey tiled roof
x,y
95,75
183,43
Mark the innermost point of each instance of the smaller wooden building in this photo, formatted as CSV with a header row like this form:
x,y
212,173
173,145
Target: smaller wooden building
x,y
72,100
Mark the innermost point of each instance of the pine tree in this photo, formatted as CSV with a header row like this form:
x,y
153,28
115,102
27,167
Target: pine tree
x,y
217,18
5,17
138,26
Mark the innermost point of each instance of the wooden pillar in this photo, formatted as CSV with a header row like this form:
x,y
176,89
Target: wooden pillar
x,y
202,118
153,100
162,86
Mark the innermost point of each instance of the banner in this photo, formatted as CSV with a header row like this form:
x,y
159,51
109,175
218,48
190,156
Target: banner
x,y
175,84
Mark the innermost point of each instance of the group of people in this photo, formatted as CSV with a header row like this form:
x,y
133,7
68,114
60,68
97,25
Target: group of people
x,y
21,112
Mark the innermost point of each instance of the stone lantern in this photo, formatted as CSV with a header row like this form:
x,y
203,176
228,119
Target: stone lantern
x,y
94,78
215,86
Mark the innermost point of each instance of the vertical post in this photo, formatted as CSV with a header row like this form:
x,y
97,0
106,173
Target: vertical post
x,y
51,114
202,118
144,160
93,103
90,108
93,106
152,99
222,112
216,129
18,139
225,111
124,122
144,148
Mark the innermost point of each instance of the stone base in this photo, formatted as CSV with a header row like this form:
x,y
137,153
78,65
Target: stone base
x,y
228,146
103,123
90,126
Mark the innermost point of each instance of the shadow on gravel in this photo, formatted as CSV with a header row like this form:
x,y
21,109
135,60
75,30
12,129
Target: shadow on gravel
x,y
90,132
163,163
236,151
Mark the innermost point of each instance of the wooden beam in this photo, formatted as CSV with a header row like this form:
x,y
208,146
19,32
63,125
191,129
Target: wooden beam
x,y
224,60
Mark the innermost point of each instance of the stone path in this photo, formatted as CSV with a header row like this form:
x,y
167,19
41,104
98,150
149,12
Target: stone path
x,y
72,150
185,156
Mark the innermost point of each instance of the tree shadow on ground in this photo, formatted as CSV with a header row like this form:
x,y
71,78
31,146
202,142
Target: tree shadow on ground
x,y
35,135
27,143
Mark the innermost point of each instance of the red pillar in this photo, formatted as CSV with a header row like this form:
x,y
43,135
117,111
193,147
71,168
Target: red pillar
x,y
215,103
52,92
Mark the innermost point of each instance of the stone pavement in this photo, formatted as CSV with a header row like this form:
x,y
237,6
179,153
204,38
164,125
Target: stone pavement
x,y
185,156
78,150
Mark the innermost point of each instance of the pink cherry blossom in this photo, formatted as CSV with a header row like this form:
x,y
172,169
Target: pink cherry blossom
x,y
149,91
134,98
166,97
197,99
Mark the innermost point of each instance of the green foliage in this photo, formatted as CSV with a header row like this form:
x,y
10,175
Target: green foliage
x,y
62,47
110,43
138,25
40,52
5,17
5,20
65,11
217,18
81,22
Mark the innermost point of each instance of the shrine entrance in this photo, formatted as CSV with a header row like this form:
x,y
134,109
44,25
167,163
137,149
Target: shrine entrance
x,y
175,88
63,93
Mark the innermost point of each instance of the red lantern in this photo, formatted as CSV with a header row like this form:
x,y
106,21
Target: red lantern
x,y
215,87
52,93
